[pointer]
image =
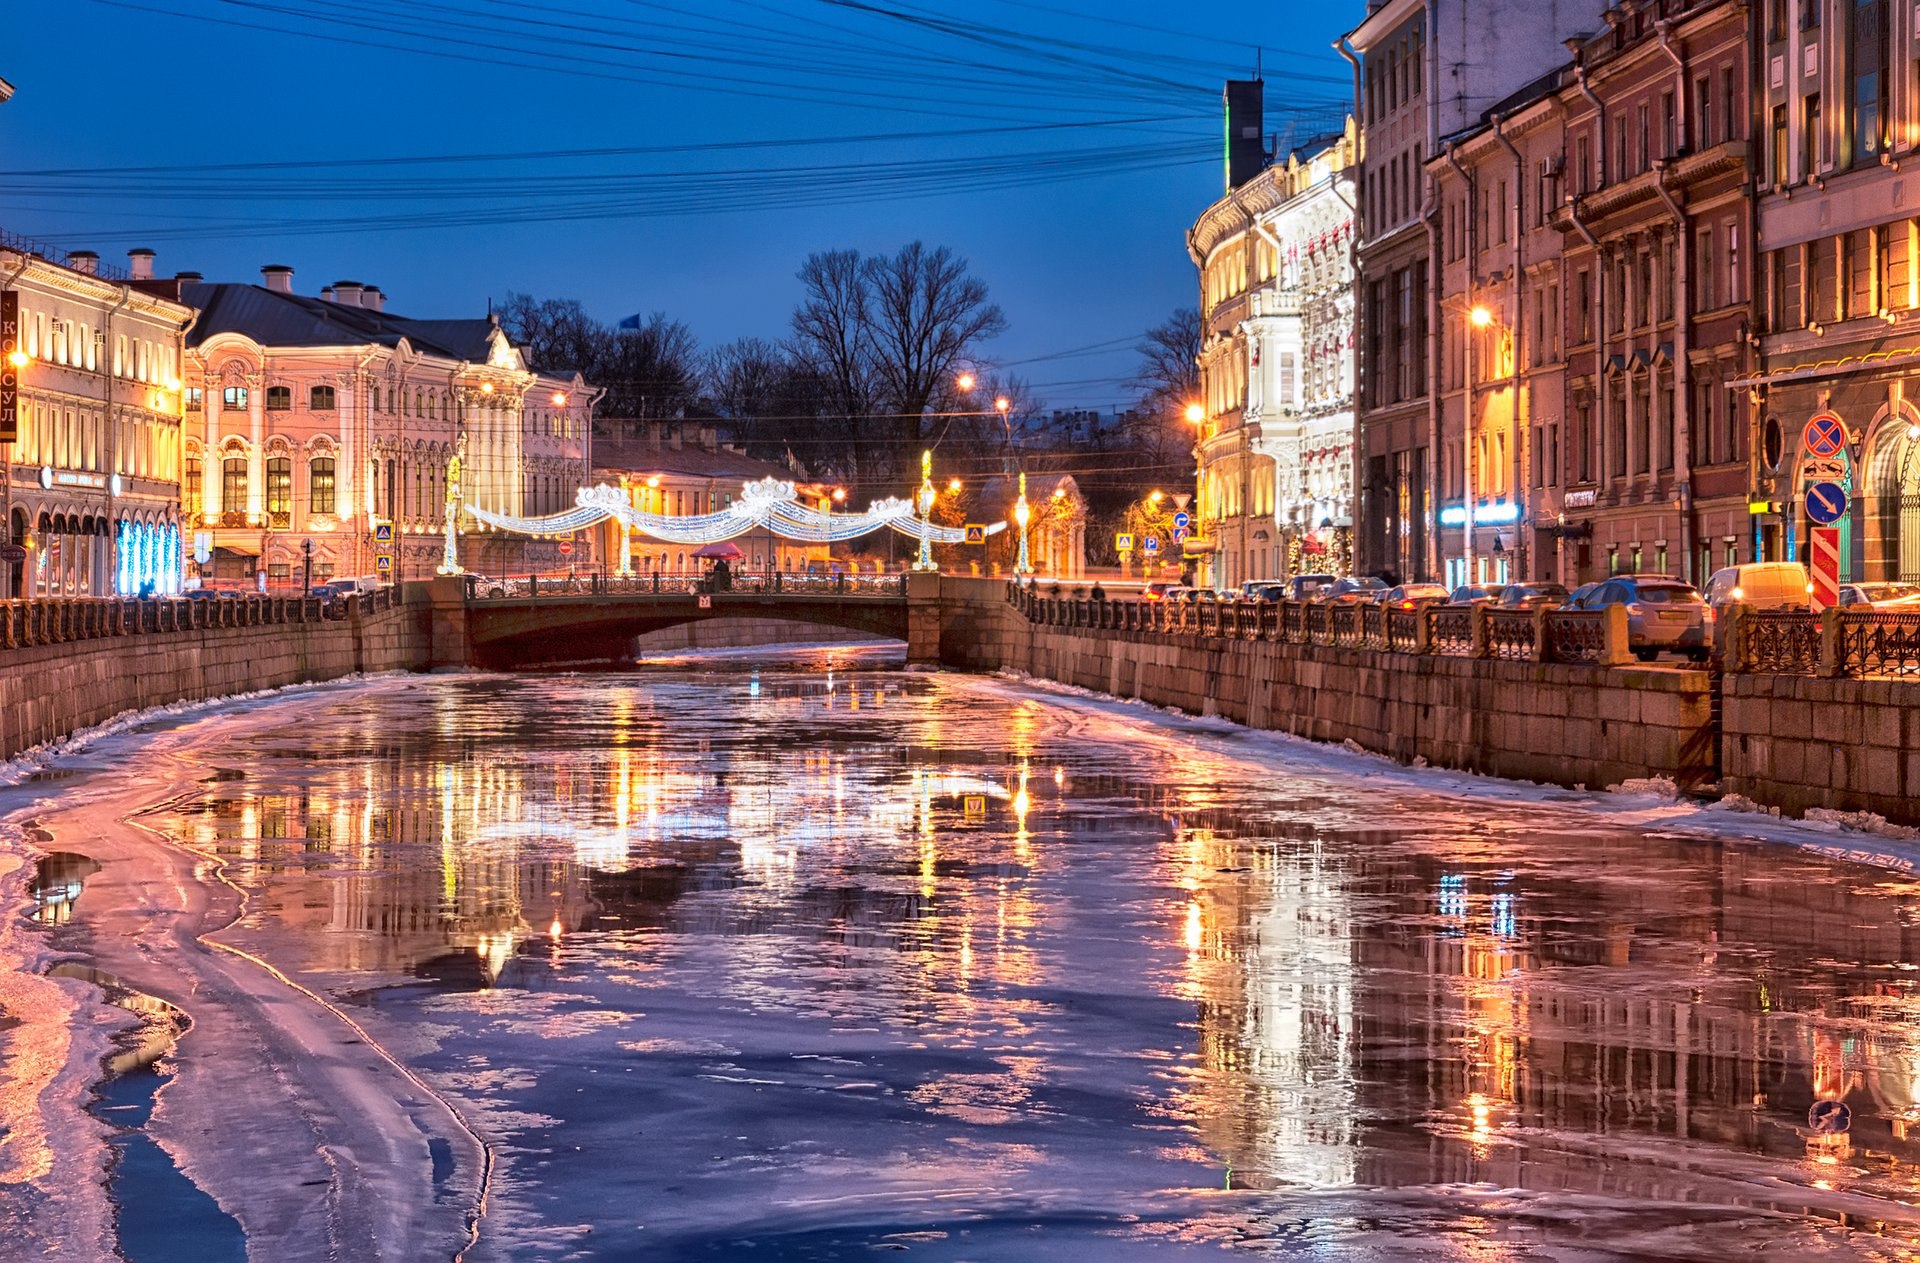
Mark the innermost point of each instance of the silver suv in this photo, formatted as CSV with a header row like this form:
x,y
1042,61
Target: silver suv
x,y
1662,613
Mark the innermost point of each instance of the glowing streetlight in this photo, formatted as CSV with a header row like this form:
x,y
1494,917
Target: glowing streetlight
x,y
486,388
965,381
1156,497
1022,514
1001,405
559,398
839,495
1481,316
924,500
1195,414
19,359
953,486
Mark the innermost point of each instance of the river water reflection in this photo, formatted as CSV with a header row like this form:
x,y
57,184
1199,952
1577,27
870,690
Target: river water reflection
x,y
801,960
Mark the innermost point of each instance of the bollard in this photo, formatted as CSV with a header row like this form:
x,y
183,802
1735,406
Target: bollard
x,y
1833,659
1616,644
1477,617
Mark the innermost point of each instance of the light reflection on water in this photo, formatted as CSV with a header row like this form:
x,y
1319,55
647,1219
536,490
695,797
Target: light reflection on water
x,y
766,963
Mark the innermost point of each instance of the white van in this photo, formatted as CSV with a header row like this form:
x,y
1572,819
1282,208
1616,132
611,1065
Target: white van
x,y
1764,585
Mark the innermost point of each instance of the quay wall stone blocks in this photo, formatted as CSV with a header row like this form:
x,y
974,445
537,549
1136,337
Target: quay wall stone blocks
x,y
50,691
1801,742
1559,724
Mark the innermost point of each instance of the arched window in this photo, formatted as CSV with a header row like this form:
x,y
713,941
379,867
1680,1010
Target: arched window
x,y
191,496
279,398
279,490
320,485
233,484
234,399
320,399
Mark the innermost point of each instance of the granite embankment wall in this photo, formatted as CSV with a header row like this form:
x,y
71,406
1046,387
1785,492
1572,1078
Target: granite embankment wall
x,y
49,690
1798,741
1561,724
741,633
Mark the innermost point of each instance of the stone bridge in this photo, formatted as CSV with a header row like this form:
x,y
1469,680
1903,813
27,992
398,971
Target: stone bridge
x,y
501,625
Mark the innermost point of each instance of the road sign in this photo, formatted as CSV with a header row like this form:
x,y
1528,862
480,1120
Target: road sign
x,y
1822,469
976,806
1824,563
566,548
1180,534
706,602
383,533
976,533
1829,1118
1826,435
1151,543
1123,542
202,546
1826,503
1181,521
384,563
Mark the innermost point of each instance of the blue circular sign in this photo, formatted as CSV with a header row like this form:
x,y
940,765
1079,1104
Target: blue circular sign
x,y
1182,521
1829,1118
1826,503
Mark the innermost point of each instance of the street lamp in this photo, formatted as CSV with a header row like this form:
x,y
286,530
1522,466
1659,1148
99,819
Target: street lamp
x,y
1022,514
306,549
965,382
925,501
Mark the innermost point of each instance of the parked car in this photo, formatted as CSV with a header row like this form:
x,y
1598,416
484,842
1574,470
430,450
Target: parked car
x,y
1531,596
1880,595
1476,594
1351,590
1302,586
1662,613
1576,599
1413,596
1264,591
1764,585
1157,591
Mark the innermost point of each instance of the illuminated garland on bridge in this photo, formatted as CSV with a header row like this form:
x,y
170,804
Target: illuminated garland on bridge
x,y
767,504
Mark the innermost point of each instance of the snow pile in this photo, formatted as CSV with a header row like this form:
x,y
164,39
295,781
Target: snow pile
x,y
1859,822
1661,787
1740,802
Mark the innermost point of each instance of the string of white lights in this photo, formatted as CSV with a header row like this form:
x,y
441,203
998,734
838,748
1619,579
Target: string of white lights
x,y
767,504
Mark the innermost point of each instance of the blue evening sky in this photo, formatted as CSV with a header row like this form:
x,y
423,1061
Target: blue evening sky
x,y
127,109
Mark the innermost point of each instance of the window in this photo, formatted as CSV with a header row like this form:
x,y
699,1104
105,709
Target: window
x,y
1781,175
279,398
1869,69
1823,278
196,398
1896,266
233,484
191,495
1583,306
234,399
320,399
320,485
1702,113
279,572
1810,136
1669,126
1776,19
1729,103
279,487
1810,14
1861,268
1736,287
1703,270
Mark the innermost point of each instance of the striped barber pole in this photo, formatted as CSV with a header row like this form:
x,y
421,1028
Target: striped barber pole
x,y
1825,558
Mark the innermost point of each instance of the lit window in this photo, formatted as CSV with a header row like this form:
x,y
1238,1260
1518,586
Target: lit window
x,y
320,485
234,399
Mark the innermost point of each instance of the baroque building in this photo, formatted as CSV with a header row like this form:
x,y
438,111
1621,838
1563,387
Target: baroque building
x,y
1275,446
313,423
93,486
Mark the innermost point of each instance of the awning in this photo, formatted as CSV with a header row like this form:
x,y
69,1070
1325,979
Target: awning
x,y
235,550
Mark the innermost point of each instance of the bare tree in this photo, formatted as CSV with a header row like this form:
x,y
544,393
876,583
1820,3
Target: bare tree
x,y
743,377
1168,377
928,311
554,334
651,372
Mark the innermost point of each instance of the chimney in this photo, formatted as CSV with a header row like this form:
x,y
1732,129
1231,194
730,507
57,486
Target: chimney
x,y
372,297
673,438
189,278
326,295
140,264
84,261
1246,130
347,293
277,277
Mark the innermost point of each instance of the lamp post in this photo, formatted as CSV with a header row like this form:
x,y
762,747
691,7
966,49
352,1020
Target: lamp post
x,y
1022,514
306,551
925,505
1480,318
1196,415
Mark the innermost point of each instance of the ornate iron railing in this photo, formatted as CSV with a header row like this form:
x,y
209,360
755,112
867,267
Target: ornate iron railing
x,y
1781,642
1403,629
41,622
1510,634
1451,630
1879,642
1576,636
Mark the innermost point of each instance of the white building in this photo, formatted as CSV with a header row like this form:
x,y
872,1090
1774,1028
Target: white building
x,y
1275,451
321,420
93,487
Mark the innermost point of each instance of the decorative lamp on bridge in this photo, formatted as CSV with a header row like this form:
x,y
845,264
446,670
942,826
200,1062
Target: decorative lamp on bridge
x,y
1022,514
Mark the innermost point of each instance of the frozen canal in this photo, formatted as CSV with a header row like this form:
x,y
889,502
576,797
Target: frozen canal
x,y
815,959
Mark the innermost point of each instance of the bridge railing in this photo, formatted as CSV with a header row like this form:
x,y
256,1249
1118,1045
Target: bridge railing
x,y
50,621
1838,643
775,582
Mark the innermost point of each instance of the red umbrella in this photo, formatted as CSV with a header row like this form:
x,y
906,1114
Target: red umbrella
x,y
719,552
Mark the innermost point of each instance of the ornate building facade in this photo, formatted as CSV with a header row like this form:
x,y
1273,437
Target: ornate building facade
x,y
1275,448
312,423
94,476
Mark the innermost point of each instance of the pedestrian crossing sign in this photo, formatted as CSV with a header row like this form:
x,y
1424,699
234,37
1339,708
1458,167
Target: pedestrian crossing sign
x,y
384,563
383,533
976,534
